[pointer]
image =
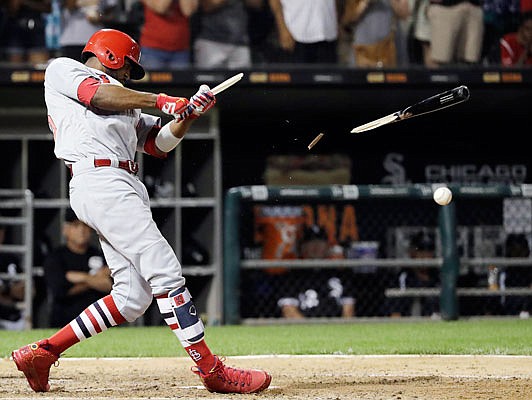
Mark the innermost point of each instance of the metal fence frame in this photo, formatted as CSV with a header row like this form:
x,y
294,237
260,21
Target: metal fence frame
x,y
23,200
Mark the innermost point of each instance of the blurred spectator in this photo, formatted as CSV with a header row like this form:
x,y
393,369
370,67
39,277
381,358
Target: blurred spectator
x,y
500,18
319,292
422,245
129,18
307,30
516,47
377,37
165,35
53,28
457,29
11,289
222,39
261,31
419,52
76,273
276,234
517,245
23,31
81,18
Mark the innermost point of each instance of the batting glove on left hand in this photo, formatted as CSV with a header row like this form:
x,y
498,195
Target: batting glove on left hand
x,y
178,107
201,102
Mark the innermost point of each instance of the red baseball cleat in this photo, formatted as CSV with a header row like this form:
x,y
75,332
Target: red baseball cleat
x,y
223,379
35,361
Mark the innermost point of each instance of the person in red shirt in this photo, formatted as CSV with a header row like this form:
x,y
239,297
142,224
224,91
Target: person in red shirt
x,y
165,35
516,47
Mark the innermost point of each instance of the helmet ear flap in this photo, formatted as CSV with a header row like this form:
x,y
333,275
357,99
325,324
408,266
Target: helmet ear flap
x,y
112,59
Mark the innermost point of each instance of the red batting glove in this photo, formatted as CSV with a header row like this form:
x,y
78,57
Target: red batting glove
x,y
201,102
175,106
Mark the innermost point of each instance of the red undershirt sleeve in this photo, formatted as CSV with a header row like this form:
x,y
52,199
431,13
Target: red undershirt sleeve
x,y
150,147
87,89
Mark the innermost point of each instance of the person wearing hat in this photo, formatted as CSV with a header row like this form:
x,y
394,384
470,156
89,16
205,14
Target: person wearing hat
x,y
422,245
316,292
76,273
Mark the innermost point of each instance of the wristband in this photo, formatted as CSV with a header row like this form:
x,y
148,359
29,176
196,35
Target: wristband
x,y
165,140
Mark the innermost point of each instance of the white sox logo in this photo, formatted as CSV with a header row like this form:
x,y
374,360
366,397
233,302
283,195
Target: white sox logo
x,y
194,354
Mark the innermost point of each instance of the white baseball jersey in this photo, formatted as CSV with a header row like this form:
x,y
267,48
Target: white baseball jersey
x,y
111,200
81,130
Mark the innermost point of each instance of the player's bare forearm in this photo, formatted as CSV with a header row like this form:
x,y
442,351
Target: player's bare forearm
x,y
180,128
118,98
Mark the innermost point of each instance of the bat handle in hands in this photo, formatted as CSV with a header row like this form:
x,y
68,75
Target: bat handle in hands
x,y
178,107
201,102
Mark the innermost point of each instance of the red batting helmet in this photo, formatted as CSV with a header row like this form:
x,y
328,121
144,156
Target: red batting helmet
x,y
111,47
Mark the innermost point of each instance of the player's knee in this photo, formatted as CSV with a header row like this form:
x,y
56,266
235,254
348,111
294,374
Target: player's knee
x,y
191,329
131,310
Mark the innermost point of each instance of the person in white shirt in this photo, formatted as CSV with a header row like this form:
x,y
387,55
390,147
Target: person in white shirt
x,y
307,30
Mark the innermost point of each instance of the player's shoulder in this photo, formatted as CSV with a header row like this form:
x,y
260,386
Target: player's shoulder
x,y
63,61
62,66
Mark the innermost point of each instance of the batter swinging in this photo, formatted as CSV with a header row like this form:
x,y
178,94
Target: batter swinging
x,y
98,126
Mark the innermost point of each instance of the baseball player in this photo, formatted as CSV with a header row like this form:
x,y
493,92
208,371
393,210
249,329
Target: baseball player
x,y
98,126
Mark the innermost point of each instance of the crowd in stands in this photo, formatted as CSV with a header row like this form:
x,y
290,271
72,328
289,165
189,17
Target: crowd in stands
x,y
236,34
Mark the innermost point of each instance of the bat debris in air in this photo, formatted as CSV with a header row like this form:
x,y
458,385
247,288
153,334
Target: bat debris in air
x,y
316,140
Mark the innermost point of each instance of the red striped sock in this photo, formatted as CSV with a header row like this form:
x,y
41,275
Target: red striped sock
x,y
96,318
62,340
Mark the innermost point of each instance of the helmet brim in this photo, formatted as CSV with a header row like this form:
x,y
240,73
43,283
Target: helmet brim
x,y
137,71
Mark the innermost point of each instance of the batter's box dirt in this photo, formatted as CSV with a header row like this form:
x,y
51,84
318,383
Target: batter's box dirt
x,y
294,377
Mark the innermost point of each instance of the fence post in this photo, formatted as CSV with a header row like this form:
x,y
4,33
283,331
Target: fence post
x,y
231,263
451,263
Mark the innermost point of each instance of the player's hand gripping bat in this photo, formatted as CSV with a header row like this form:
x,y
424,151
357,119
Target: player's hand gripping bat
x,y
434,103
204,99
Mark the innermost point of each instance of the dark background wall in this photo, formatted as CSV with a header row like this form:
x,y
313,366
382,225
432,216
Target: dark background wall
x,y
483,139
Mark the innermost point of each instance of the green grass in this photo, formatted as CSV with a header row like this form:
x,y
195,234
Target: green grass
x,y
498,336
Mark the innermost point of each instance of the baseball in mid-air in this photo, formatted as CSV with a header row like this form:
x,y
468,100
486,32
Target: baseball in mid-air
x,y
442,196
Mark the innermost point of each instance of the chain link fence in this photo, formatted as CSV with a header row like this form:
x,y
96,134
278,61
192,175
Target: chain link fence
x,y
371,256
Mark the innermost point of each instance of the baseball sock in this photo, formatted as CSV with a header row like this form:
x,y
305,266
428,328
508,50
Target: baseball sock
x,y
96,318
179,313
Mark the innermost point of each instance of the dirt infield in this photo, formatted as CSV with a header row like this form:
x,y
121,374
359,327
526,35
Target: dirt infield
x,y
294,377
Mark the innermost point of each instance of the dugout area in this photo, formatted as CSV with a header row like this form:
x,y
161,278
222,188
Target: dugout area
x,y
278,112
